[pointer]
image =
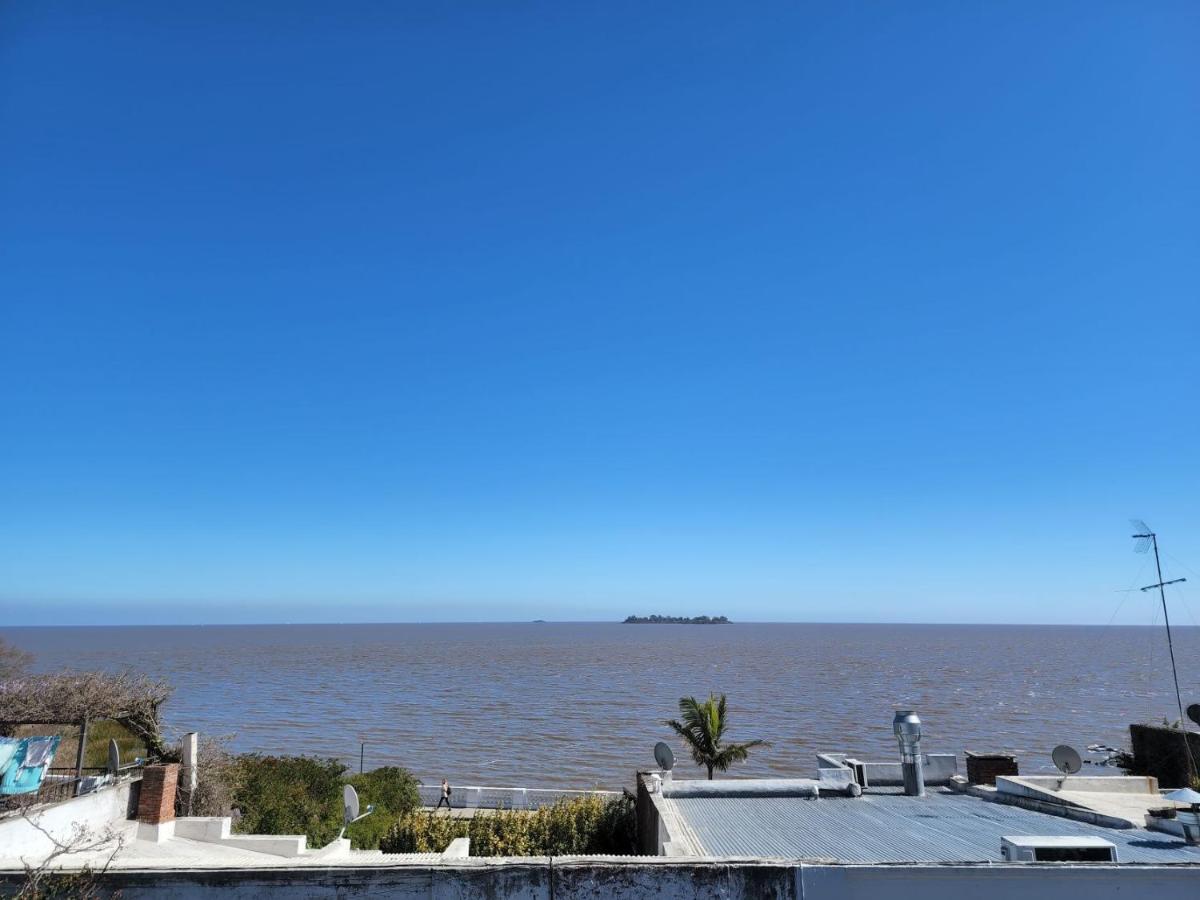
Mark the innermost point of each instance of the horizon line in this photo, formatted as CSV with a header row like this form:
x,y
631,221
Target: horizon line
x,y
8,627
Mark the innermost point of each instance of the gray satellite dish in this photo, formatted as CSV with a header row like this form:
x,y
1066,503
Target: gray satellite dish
x,y
114,757
350,802
1066,759
1193,713
664,757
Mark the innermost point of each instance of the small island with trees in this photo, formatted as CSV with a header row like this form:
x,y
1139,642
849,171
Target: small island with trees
x,y
676,620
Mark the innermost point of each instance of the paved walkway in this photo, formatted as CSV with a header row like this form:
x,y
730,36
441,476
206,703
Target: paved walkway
x,y
460,812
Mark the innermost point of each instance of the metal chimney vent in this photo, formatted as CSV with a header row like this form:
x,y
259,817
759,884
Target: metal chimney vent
x,y
907,728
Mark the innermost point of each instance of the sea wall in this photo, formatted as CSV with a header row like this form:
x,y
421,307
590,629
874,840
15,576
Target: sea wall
x,y
609,879
479,797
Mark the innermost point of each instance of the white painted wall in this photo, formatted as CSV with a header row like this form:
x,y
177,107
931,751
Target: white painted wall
x,y
97,811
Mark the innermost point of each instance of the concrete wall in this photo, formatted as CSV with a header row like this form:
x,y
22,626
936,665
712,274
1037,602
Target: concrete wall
x,y
1160,752
647,819
938,769
96,811
602,879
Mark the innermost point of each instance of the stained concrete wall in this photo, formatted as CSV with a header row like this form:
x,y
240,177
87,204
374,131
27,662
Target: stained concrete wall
x,y
107,806
1161,752
583,878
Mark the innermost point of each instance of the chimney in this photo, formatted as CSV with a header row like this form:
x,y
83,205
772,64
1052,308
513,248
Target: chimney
x,y
907,728
156,803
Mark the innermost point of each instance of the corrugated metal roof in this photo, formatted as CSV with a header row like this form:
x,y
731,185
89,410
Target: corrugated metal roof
x,y
889,827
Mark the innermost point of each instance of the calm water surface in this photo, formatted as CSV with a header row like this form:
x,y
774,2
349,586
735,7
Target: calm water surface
x,y
578,705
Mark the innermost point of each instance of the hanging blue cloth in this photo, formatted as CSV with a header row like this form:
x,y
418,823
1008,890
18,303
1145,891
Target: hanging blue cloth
x,y
8,751
29,764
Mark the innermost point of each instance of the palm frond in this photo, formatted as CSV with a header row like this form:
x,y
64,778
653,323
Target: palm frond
x,y
702,726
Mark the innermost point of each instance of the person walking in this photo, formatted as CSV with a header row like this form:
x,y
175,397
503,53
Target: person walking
x,y
446,792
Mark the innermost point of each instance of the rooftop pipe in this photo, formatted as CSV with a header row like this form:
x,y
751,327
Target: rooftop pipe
x,y
907,728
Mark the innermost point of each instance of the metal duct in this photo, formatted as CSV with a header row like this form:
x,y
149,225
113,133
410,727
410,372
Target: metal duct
x,y
907,728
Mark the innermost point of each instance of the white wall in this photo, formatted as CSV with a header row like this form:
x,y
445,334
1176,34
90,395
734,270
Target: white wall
x,y
97,810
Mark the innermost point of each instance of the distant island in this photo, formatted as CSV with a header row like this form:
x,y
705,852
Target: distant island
x,y
677,620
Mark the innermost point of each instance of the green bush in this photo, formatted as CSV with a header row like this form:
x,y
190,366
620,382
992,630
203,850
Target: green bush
x,y
568,827
290,795
303,795
393,791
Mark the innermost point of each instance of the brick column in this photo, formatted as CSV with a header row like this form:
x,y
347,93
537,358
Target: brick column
x,y
156,804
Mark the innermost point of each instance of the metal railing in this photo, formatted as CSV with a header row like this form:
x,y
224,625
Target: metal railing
x,y
58,785
479,797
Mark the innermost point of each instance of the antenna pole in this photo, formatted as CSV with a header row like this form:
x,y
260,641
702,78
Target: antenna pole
x,y
1175,671
1167,620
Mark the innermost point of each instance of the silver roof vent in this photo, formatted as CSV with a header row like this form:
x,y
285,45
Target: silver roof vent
x,y
907,728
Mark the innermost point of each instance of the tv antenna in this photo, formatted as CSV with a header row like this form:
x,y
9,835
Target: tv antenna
x,y
1146,539
664,756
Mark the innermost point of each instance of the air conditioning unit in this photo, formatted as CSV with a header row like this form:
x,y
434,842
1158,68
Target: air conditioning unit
x,y
1036,848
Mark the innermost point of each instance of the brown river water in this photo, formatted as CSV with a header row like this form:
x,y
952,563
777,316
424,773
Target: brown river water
x,y
582,704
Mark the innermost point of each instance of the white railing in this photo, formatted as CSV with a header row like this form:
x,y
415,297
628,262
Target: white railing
x,y
478,797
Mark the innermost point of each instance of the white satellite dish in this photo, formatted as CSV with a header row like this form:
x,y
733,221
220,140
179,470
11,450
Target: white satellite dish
x,y
350,813
1066,759
663,756
350,804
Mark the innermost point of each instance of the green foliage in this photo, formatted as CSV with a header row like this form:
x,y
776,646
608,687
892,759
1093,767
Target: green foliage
x,y
99,734
50,885
393,791
303,795
290,795
582,825
703,729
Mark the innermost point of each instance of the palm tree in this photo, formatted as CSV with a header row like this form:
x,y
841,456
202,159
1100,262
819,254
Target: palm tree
x,y
702,728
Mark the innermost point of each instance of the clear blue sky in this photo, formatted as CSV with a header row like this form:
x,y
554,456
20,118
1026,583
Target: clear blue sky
x,y
438,311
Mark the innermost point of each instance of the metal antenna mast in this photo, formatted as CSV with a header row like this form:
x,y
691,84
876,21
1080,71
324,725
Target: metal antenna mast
x,y
1146,539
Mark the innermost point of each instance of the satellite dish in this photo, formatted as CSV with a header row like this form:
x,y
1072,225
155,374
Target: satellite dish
x,y
663,756
350,802
1066,759
1193,713
114,757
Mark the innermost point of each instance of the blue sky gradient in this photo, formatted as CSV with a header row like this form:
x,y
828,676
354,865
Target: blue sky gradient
x,y
429,311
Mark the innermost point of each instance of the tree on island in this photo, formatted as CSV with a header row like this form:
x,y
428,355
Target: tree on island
x,y
702,729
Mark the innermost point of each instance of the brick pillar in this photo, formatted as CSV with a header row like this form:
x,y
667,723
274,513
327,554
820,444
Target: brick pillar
x,y
156,804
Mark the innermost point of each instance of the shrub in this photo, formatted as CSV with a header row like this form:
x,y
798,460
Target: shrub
x,y
568,827
131,699
393,791
290,795
14,662
303,795
217,771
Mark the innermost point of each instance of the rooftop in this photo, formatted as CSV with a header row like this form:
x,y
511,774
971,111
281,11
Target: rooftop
x,y
885,826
